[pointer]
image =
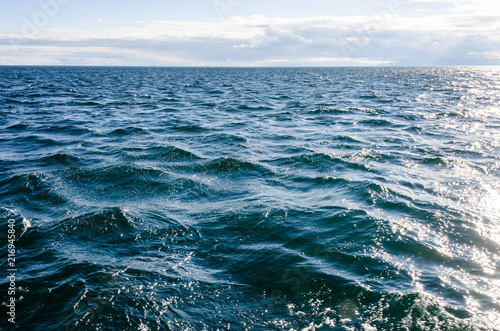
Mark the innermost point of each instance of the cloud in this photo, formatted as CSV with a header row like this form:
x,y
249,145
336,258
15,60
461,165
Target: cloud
x,y
386,38
469,7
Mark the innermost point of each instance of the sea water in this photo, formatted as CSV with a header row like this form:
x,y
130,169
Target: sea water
x,y
250,198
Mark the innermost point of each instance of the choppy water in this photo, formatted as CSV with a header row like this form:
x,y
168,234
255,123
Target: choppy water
x,y
251,199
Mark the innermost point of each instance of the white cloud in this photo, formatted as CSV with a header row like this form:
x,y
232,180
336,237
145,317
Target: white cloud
x,y
470,7
361,40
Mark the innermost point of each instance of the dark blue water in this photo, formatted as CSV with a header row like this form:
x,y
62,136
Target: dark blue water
x,y
251,199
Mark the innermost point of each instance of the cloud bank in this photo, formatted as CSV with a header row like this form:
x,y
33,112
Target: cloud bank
x,y
461,37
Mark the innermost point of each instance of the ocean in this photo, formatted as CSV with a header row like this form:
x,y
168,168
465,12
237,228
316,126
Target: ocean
x,y
145,198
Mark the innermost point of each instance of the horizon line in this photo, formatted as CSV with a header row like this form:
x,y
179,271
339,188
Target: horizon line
x,y
249,67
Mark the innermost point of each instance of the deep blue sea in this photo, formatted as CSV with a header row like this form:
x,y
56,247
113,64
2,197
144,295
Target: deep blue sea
x,y
250,198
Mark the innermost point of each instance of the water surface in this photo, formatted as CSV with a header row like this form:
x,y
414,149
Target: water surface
x,y
252,199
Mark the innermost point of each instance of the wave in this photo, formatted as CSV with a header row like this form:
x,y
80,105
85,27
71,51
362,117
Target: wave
x,y
231,165
128,131
66,129
376,122
60,159
40,141
454,163
18,126
190,128
247,107
30,189
86,103
164,153
319,161
324,110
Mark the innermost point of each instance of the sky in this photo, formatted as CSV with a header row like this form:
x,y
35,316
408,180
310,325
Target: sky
x,y
250,32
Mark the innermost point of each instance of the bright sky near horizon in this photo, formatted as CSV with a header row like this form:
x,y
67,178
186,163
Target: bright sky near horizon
x,y
250,32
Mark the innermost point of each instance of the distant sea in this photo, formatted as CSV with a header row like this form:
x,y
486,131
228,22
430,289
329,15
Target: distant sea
x,y
147,198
